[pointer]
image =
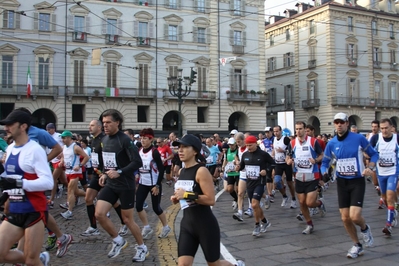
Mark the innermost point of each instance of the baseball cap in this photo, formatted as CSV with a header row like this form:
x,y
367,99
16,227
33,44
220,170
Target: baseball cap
x,y
268,129
137,136
189,140
233,132
17,116
50,125
341,116
66,133
231,141
251,139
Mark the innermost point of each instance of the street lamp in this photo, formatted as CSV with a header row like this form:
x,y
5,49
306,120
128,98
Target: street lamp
x,y
176,90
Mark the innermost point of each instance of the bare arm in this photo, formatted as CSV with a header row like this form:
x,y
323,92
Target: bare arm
x,y
55,151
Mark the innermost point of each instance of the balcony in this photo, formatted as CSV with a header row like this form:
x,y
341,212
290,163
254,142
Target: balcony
x,y
246,96
311,103
111,39
37,91
365,102
121,93
394,66
312,64
377,64
238,49
196,96
352,62
78,36
143,41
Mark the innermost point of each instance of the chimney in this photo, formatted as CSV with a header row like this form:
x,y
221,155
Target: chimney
x,y
290,12
302,7
274,19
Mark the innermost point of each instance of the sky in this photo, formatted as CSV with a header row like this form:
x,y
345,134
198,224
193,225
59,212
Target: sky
x,y
274,7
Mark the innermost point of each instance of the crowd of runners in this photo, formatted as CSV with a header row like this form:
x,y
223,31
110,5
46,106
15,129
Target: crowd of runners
x,y
118,168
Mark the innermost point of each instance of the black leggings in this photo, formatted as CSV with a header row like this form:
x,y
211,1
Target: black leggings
x,y
141,195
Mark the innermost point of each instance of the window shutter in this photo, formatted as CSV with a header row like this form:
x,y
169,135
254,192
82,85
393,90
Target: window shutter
x,y
348,54
150,30
17,20
35,21
199,79
5,18
81,76
104,26
204,87
71,25
292,59
195,5
231,37
136,28
141,71
231,7
243,8
380,54
53,22
244,38
145,76
166,32
114,75
208,35
269,64
195,34
244,78
357,88
167,3
308,90
232,85
88,23
171,71
119,23
316,89
208,6
180,33
109,74
285,60
178,4
75,74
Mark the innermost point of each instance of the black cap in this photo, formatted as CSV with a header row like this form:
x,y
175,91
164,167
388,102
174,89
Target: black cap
x,y
17,116
189,140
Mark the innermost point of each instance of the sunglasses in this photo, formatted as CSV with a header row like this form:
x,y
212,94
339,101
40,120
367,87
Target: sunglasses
x,y
339,122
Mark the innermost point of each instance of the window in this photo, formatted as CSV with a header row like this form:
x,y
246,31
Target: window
x,y
312,52
287,35
312,27
44,22
78,76
393,56
173,4
312,90
142,113
143,29
44,65
391,32
272,96
172,33
237,7
201,6
7,71
112,26
271,63
393,90
288,59
201,35
201,114
78,112
377,56
79,24
353,89
389,5
237,37
9,19
288,96
374,27
271,39
373,3
350,24
378,93
143,79
111,75
201,80
238,79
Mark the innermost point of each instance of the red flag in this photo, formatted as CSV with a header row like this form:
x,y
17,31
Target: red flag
x,y
29,84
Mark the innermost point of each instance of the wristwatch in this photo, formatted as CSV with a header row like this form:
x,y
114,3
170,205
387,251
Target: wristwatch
x,y
80,165
119,171
371,168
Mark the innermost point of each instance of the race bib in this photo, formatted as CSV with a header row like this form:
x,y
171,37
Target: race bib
x,y
187,185
16,195
387,159
229,167
252,171
209,159
279,157
109,160
303,165
94,159
347,167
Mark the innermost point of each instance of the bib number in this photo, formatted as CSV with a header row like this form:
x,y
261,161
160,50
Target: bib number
x,y
252,171
347,167
387,159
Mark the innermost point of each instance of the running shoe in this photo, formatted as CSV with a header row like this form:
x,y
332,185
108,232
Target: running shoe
x,y
240,263
249,212
293,204
116,248
67,215
45,258
141,254
256,231
284,203
50,204
271,198
234,205
308,230
169,183
147,232
395,221
51,243
377,188
145,205
322,208
123,230
63,245
368,239
387,230
300,217
65,205
90,231
355,252
381,204
264,226
267,203
165,232
237,216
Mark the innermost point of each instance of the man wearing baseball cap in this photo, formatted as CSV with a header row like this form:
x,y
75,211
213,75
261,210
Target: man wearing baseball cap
x,y
348,147
267,146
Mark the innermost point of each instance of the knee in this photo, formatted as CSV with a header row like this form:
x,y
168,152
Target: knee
x,y
89,199
100,216
230,188
254,204
345,218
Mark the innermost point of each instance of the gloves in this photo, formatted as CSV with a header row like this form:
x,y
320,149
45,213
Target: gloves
x,y
326,178
7,183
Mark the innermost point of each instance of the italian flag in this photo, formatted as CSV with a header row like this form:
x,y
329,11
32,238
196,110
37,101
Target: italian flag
x,y
112,92
29,84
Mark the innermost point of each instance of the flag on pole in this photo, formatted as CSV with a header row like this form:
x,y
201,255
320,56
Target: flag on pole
x,y
112,92
29,84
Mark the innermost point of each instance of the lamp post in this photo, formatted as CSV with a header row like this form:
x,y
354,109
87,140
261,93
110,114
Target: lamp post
x,y
175,89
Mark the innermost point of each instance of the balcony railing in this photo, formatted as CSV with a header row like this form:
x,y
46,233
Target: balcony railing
x,y
377,64
20,90
310,103
111,39
365,102
194,95
312,64
143,41
246,97
394,66
352,61
78,36
238,49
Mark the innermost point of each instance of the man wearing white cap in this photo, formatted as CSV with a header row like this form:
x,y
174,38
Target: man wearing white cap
x,y
233,132
348,148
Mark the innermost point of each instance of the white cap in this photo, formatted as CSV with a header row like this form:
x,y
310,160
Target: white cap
x,y
137,136
231,141
341,116
233,132
268,129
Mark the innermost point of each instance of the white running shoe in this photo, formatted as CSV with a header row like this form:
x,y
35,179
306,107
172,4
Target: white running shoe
x,y
249,212
123,230
284,203
90,231
165,231
293,204
116,248
141,253
355,252
368,239
147,232
308,230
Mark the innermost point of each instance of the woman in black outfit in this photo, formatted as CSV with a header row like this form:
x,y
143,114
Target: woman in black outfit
x,y
195,192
